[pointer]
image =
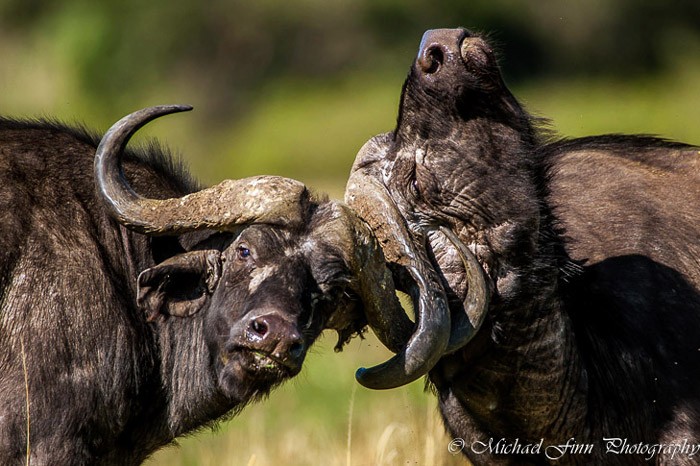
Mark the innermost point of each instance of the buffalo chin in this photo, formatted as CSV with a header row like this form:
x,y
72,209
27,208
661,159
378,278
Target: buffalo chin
x,y
247,375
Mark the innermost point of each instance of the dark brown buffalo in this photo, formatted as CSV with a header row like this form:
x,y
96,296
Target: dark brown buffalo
x,y
572,267
126,321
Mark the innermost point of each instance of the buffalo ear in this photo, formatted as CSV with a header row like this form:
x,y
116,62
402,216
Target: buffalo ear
x,y
179,286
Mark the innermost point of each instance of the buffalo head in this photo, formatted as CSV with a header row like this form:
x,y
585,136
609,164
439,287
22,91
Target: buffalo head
x,y
453,190
267,266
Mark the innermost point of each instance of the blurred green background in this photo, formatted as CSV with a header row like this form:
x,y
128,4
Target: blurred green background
x,y
294,89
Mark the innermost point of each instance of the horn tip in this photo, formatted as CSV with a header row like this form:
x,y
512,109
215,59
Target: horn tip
x,y
361,376
161,110
175,108
370,379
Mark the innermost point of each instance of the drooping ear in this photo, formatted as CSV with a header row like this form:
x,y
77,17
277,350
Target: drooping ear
x,y
179,286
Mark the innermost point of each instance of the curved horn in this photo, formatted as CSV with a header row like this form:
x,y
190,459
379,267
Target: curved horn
x,y
372,282
427,344
369,198
465,325
262,199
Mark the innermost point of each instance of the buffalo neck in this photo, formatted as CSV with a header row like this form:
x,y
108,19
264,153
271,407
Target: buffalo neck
x,y
522,376
176,389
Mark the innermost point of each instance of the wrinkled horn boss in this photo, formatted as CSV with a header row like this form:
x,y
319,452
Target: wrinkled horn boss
x,y
367,195
262,199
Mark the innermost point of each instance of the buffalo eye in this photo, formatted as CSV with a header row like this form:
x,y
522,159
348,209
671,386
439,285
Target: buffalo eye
x,y
413,187
242,252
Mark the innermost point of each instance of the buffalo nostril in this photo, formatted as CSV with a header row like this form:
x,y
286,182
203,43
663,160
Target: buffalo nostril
x,y
432,59
259,326
296,350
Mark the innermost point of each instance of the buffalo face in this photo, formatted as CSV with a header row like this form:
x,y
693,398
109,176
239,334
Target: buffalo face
x,y
457,176
265,295
262,321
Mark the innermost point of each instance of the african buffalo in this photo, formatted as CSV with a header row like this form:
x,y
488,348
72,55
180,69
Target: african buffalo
x,y
571,268
126,321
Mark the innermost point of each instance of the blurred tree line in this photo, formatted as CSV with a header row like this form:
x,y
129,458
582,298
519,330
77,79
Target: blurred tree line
x,y
226,51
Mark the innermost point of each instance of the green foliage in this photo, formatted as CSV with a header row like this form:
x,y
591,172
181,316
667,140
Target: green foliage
x,y
310,132
223,53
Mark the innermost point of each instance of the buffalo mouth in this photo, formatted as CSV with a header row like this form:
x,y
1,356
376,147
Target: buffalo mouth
x,y
245,372
260,364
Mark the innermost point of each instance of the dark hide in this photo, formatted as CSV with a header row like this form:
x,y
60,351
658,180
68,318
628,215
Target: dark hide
x,y
232,315
592,248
